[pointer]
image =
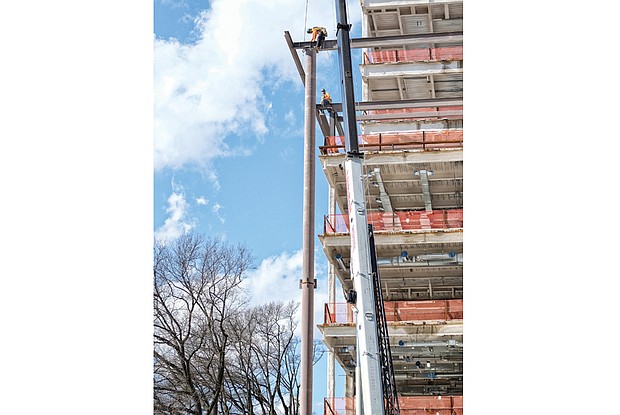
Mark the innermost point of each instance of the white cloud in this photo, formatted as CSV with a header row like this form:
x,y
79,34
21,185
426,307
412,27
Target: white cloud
x,y
177,222
207,90
216,210
202,201
290,118
277,279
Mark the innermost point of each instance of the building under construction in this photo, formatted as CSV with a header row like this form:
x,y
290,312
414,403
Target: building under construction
x,y
411,122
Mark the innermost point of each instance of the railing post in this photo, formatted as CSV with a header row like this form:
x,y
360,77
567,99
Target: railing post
x,y
396,312
349,313
326,314
327,406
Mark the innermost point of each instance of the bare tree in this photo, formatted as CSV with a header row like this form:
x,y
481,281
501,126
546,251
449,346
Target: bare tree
x,y
196,291
214,354
263,368
274,338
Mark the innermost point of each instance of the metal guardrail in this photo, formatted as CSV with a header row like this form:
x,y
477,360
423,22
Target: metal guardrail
x,y
414,55
342,313
398,221
409,405
415,140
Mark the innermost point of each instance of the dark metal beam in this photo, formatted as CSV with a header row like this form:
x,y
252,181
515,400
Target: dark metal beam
x,y
339,127
323,124
387,41
300,68
343,47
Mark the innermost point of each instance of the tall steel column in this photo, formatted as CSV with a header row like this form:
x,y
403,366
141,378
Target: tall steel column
x,y
369,381
331,300
307,282
331,274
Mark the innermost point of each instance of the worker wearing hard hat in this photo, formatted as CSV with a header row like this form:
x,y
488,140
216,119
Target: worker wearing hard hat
x,y
326,99
318,33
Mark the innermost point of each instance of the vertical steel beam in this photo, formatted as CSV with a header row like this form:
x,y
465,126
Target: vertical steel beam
x,y
359,405
369,382
361,274
331,290
332,124
349,385
426,193
308,282
346,78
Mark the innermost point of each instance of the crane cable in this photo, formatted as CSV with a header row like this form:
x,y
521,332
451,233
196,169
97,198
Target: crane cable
x,y
305,20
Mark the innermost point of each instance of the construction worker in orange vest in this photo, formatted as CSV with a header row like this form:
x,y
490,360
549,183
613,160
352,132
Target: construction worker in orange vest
x,y
318,33
326,99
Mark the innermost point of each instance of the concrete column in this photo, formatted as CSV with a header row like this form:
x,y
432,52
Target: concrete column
x,y
349,386
331,299
359,407
307,282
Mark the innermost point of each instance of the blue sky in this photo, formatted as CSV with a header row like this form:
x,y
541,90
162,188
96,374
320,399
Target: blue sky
x,y
229,122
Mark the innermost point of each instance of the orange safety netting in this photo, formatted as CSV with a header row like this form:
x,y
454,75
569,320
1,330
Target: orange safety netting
x,y
420,140
444,310
399,221
410,110
424,310
445,112
409,405
414,55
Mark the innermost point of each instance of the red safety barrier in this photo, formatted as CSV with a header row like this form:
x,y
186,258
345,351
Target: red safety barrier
x,y
445,112
399,221
416,140
436,219
427,405
409,405
409,110
447,53
441,310
424,310
414,55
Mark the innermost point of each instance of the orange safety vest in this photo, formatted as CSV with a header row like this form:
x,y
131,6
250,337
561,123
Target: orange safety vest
x,y
315,32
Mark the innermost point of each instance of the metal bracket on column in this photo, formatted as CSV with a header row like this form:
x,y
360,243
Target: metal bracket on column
x,y
346,27
301,282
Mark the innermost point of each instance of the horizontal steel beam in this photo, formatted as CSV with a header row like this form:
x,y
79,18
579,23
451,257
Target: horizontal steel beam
x,y
323,124
405,103
387,41
377,159
409,115
414,238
